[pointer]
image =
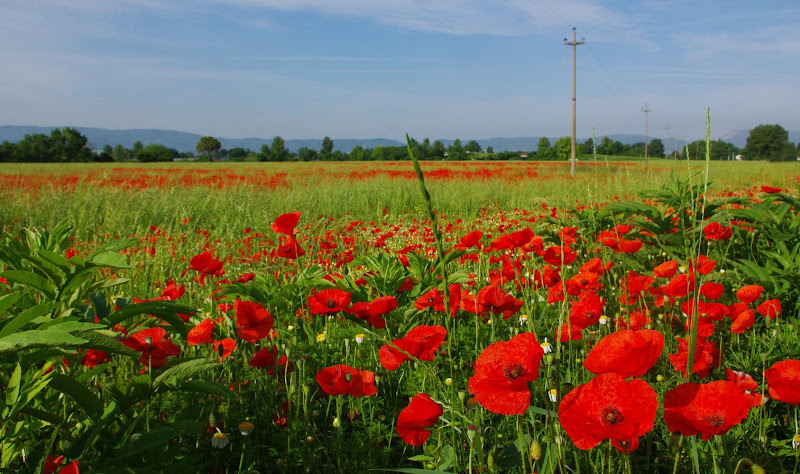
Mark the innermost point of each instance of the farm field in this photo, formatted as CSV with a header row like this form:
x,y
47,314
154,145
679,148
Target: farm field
x,y
325,317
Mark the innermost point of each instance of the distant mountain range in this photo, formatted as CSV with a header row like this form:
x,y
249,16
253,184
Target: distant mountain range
x,y
186,142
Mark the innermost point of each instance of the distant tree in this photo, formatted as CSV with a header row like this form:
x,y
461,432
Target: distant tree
x,y
562,148
278,151
379,153
337,155
266,153
544,151
209,146
473,147
489,150
137,149
327,149
307,154
238,154
107,155
438,149
425,150
156,152
455,151
769,142
608,146
358,153
121,153
587,147
8,152
655,148
719,150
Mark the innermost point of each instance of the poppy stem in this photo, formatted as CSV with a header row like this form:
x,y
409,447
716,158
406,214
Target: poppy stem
x,y
677,455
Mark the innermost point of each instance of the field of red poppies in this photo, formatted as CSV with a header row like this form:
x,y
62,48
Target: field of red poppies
x,y
236,320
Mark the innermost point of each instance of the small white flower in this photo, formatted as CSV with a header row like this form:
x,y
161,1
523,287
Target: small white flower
x,y
219,440
796,441
359,338
523,319
553,395
546,346
603,319
245,428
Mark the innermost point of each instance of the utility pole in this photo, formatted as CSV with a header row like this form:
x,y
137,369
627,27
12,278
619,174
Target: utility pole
x,y
666,151
646,111
573,161
675,148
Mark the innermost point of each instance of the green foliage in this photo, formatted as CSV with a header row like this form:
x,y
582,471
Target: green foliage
x,y
719,150
769,142
208,145
61,146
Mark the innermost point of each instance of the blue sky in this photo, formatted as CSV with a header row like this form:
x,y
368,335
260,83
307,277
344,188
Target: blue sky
x,y
381,68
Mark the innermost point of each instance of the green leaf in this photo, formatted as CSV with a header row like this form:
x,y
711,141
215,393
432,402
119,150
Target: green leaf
x,y
32,339
420,458
109,259
161,309
51,418
186,369
55,259
7,301
206,386
13,387
25,317
104,341
32,280
84,397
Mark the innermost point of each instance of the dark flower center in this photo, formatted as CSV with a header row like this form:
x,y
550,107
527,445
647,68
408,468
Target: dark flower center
x,y
514,371
611,416
584,281
715,419
330,304
589,315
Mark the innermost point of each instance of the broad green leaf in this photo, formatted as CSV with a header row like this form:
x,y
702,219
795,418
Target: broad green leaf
x,y
186,369
26,317
206,386
30,279
32,339
84,397
421,458
13,387
110,259
47,416
104,341
55,259
7,301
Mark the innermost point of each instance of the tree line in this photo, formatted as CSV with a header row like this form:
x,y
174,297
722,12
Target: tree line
x,y
765,142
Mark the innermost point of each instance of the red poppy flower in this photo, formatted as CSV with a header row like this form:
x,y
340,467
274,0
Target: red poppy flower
x,y
743,321
55,464
595,265
706,357
470,240
771,189
201,333
502,373
608,407
414,421
431,299
707,409
748,294
253,320
715,231
711,290
583,281
329,301
498,301
702,265
746,383
677,287
154,348
285,223
206,265
783,381
421,342
586,311
770,308
264,357
513,240
342,379
558,256
224,347
626,353
372,311
667,269
289,248
634,287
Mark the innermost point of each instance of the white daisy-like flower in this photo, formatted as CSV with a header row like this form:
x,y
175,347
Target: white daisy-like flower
x,y
553,395
546,346
219,440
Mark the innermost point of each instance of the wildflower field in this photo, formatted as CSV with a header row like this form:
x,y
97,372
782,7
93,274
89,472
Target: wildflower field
x,y
348,317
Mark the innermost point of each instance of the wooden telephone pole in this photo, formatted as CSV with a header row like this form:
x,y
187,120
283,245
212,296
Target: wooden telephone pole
x,y
666,150
574,160
646,111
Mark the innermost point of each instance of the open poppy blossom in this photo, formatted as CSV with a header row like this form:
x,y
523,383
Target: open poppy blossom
x,y
472,239
715,231
329,301
608,407
224,347
626,353
373,310
285,223
496,300
705,409
706,357
502,373
415,420
206,265
290,248
783,381
253,320
586,311
667,269
421,342
342,379
745,382
770,308
55,464
154,348
201,333
264,357
748,294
